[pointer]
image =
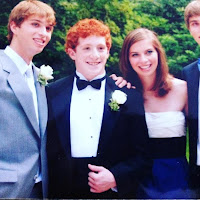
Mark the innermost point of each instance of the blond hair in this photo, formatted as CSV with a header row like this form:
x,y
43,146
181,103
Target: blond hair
x,y
25,9
192,9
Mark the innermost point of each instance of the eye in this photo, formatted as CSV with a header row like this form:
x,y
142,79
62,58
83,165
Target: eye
x,y
86,48
194,24
101,48
49,28
35,24
149,52
134,54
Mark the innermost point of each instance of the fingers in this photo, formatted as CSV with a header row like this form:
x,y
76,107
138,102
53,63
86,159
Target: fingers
x,y
121,82
93,185
113,76
128,85
93,175
95,168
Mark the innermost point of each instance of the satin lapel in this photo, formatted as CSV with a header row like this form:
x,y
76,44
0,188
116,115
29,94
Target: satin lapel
x,y
193,86
21,91
109,117
42,103
61,109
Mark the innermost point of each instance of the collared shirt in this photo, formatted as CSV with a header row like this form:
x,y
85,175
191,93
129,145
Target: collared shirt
x,y
18,60
86,114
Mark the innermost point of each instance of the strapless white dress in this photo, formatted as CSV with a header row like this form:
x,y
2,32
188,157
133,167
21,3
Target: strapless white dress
x,y
169,177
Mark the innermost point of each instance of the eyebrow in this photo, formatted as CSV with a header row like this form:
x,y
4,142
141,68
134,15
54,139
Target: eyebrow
x,y
194,20
144,50
33,19
39,21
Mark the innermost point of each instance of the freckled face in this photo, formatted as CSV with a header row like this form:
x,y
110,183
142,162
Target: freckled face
x,y
90,56
194,28
143,58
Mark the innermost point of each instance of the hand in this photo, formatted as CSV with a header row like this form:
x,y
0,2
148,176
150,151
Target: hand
x,y
100,179
120,82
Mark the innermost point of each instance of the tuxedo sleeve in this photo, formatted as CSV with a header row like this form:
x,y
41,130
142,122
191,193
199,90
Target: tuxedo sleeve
x,y
131,140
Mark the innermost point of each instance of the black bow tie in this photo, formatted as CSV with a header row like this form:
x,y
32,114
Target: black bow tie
x,y
81,84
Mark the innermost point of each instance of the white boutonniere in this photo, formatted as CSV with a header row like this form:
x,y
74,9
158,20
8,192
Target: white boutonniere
x,y
45,74
118,98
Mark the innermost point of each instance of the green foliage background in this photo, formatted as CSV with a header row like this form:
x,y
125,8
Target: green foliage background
x,y
163,16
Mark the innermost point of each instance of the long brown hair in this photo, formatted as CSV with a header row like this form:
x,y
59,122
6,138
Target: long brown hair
x,y
162,84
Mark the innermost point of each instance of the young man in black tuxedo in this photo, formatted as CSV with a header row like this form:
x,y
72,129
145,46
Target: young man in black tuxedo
x,y
97,147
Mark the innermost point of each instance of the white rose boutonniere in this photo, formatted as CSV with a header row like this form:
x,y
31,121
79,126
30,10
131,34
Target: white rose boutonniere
x,y
118,97
45,74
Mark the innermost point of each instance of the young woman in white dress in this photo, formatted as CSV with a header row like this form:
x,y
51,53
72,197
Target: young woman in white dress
x,y
143,63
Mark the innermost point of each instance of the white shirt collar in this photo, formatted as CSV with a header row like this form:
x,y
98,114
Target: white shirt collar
x,y
96,77
17,59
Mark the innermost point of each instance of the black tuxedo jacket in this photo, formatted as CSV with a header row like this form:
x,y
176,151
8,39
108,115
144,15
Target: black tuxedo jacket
x,y
191,75
122,144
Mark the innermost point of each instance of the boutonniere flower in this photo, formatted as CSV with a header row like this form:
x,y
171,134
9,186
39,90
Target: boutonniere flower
x,y
45,74
118,98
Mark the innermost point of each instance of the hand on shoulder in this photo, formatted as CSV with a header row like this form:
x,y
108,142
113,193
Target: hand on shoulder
x,y
121,82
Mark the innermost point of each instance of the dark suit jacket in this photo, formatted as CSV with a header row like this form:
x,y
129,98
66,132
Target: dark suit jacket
x,y
122,145
191,75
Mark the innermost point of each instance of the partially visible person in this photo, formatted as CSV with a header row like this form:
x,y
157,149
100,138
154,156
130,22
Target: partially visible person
x,y
143,63
94,148
191,75
23,107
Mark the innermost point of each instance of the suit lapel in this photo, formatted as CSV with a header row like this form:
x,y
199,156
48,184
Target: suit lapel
x,y
42,102
193,92
109,117
61,106
21,90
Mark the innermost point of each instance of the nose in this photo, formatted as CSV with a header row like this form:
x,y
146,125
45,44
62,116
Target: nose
x,y
144,58
43,31
95,54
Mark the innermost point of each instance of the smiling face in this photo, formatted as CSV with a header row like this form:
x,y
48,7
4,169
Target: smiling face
x,y
90,56
143,58
31,36
194,27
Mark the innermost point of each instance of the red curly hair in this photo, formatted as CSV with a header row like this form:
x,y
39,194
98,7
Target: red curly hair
x,y
84,28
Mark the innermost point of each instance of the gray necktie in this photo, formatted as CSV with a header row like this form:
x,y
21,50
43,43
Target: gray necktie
x,y
30,81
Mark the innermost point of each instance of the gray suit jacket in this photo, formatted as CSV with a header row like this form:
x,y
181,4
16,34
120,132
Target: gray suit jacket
x,y
22,139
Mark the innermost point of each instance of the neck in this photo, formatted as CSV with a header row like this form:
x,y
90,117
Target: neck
x,y
21,53
90,77
147,83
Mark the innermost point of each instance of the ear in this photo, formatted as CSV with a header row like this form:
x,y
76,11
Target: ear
x,y
13,27
108,53
71,53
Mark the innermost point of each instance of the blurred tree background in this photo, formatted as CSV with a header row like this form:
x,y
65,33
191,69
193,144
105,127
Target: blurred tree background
x,y
165,17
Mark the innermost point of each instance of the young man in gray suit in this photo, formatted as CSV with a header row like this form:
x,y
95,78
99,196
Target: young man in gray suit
x,y
23,107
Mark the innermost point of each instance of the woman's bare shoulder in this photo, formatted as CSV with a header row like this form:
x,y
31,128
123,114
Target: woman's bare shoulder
x,y
179,83
179,86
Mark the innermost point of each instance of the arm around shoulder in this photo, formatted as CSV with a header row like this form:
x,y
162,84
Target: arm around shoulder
x,y
133,140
